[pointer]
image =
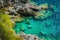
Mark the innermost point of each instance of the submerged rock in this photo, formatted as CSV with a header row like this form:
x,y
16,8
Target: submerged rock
x,y
29,26
27,21
22,28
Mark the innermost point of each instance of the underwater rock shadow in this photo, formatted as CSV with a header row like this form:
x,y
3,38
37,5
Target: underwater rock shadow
x,y
52,17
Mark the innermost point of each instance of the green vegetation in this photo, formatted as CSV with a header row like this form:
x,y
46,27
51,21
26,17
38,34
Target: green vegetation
x,y
6,31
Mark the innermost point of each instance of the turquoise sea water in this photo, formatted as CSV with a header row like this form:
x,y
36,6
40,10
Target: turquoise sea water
x,y
48,27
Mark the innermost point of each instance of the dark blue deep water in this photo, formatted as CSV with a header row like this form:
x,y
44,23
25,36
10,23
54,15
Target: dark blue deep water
x,y
55,17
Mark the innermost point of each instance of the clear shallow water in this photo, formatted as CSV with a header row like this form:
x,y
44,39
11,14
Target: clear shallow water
x,y
48,27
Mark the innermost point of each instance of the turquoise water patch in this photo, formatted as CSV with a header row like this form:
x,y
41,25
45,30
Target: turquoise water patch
x,y
42,25
47,27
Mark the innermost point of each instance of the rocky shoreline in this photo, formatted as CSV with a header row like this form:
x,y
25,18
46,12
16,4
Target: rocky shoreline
x,y
24,9
28,36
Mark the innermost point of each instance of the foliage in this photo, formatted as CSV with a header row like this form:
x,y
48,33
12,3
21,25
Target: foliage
x,y
6,25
